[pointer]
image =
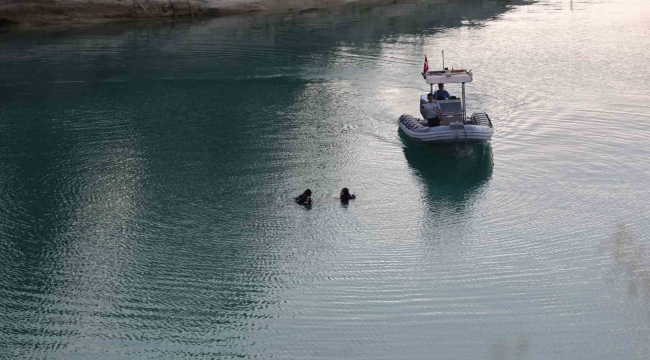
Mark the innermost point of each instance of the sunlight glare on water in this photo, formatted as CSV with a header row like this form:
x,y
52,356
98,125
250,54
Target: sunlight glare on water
x,y
147,176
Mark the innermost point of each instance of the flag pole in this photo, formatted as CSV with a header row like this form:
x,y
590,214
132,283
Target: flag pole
x,y
443,60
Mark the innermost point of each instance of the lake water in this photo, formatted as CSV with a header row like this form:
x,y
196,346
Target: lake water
x,y
147,172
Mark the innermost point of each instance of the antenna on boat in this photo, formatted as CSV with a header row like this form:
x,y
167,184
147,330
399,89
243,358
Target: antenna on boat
x,y
443,60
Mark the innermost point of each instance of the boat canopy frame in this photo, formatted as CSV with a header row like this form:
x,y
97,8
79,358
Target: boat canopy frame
x,y
460,76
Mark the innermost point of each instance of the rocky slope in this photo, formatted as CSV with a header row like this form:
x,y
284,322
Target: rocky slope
x,y
31,13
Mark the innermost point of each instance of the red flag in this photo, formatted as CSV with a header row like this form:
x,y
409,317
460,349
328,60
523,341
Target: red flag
x,y
426,65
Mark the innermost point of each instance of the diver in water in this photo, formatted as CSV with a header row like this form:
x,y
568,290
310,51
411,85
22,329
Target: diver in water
x,y
304,198
346,196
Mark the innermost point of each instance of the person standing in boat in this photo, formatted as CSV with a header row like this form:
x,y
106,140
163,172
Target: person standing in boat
x,y
441,93
431,111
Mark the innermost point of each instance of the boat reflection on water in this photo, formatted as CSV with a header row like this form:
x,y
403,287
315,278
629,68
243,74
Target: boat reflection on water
x,y
455,150
452,184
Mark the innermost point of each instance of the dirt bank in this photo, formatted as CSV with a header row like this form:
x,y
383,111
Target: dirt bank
x,y
38,13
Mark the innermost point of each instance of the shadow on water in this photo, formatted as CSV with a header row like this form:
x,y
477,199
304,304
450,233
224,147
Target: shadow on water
x,y
629,256
631,259
510,347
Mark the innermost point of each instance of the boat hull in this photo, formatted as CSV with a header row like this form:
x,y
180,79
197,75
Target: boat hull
x,y
457,132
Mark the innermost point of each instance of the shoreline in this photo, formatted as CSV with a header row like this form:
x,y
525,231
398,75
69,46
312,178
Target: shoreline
x,y
35,14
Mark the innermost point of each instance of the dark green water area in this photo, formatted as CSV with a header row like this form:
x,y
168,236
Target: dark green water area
x,y
147,176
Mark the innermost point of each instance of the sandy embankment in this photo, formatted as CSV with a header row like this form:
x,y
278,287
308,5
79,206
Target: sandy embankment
x,y
34,13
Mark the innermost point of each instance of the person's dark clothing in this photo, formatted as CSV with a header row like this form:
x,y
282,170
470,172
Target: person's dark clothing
x,y
434,121
441,95
303,200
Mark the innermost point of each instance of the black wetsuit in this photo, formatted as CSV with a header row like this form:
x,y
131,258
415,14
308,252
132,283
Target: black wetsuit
x,y
303,200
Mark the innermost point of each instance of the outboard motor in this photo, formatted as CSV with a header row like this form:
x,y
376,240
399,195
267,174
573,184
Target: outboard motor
x,y
410,122
481,118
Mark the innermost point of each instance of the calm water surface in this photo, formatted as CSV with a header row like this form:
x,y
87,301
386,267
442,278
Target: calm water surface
x,y
147,173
